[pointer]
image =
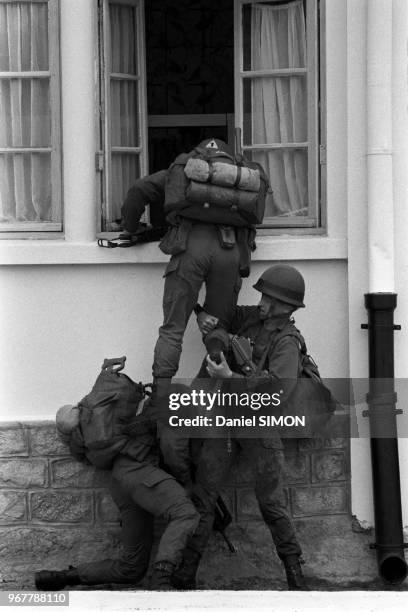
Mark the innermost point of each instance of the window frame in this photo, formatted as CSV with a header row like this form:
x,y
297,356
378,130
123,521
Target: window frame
x,y
44,229
105,149
314,222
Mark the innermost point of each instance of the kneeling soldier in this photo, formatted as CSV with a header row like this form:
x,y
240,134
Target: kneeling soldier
x,y
141,491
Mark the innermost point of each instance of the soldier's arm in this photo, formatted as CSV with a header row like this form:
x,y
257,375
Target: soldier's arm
x,y
284,364
147,190
243,316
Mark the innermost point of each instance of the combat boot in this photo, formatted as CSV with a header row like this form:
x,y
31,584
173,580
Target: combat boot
x,y
54,581
184,578
160,577
294,575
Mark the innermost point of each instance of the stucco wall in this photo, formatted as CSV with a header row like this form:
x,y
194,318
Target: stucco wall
x,y
58,323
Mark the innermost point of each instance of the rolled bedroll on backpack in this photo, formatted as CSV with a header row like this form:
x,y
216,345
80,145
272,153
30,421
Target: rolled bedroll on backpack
x,y
225,197
223,174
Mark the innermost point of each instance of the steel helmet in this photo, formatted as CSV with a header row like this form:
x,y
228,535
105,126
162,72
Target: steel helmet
x,y
216,145
67,418
284,283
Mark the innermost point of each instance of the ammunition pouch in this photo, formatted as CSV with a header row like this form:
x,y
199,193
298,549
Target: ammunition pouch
x,y
226,235
175,240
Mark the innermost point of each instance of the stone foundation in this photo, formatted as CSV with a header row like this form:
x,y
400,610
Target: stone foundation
x,y
55,511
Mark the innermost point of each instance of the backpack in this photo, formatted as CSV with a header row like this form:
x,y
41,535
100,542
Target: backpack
x,y
310,396
106,415
221,189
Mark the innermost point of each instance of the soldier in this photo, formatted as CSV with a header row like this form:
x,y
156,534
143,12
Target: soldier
x,y
277,355
141,491
209,243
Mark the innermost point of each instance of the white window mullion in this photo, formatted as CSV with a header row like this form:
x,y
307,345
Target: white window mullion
x,y
142,89
313,110
106,106
56,171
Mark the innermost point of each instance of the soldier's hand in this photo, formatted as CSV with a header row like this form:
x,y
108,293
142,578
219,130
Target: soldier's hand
x,y
218,370
206,322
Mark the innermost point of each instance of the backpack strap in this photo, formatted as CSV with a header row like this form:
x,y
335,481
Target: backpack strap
x,y
108,364
286,332
213,154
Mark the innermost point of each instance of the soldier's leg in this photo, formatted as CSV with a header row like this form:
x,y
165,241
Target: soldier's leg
x,y
160,494
136,535
203,261
184,276
212,470
129,568
223,284
267,462
175,450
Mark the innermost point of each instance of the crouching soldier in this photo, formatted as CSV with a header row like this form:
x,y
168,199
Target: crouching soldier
x,y
276,356
141,491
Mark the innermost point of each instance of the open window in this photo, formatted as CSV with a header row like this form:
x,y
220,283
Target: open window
x,y
123,136
179,71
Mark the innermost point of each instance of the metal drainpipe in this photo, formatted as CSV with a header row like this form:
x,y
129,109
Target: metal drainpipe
x,y
384,443
381,301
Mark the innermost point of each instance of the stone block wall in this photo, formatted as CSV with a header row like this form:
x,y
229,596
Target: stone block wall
x,y
55,511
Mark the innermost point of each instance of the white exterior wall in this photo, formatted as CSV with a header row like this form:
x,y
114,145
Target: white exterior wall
x,y
363,272
66,305
60,322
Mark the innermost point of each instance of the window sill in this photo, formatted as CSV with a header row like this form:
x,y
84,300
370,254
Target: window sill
x,y
56,252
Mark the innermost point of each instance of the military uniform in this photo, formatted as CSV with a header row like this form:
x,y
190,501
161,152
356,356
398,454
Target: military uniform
x,y
208,244
265,455
141,491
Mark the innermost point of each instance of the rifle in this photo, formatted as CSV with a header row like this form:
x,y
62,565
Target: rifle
x,y
145,233
242,351
222,518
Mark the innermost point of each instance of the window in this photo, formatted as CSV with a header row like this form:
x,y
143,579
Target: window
x,y
30,160
123,156
195,52
277,103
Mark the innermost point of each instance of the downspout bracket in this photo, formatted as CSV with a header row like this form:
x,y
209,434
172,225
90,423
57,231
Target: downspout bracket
x,y
373,546
368,326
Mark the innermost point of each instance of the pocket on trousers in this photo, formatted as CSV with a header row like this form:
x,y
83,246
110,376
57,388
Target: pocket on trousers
x,y
155,477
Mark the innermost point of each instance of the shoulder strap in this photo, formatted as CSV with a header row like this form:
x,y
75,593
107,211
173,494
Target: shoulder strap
x,y
182,159
289,330
212,155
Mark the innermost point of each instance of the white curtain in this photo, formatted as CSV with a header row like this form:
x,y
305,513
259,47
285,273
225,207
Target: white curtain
x,y
25,178
124,104
279,104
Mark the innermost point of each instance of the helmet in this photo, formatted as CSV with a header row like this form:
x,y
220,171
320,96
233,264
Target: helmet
x,y
216,145
67,418
284,283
